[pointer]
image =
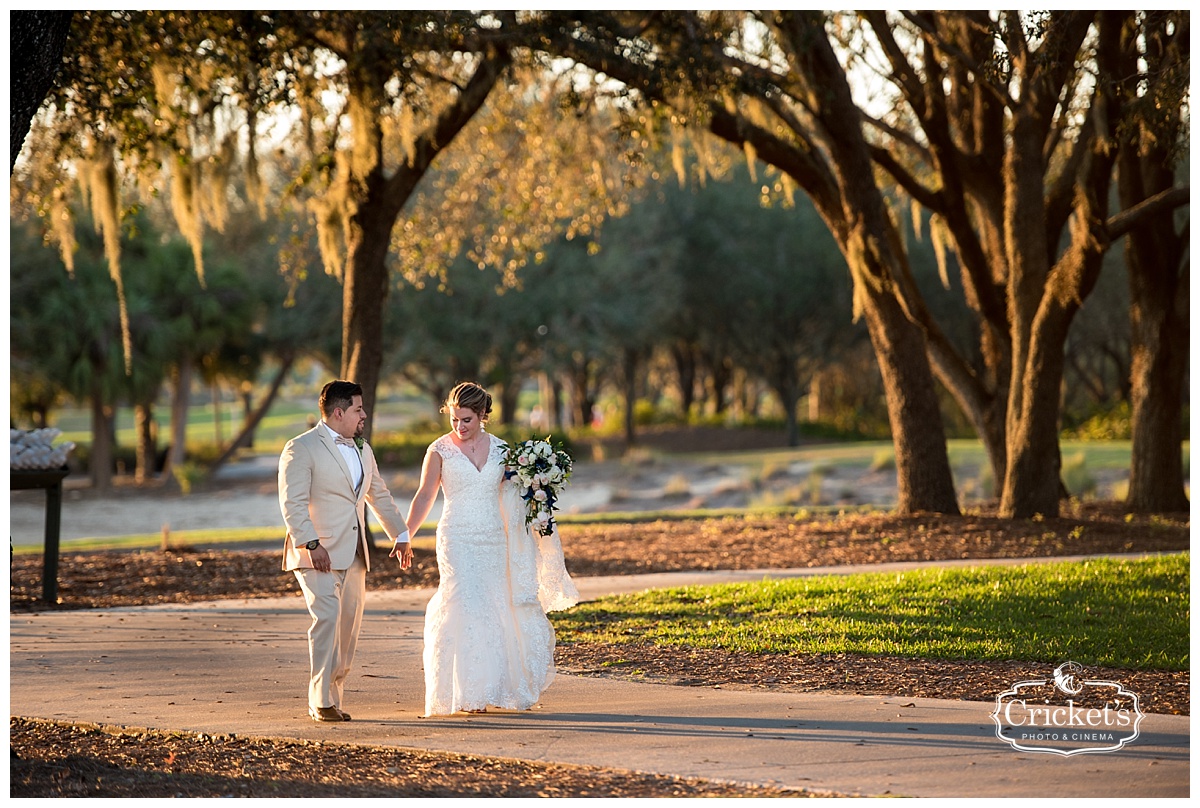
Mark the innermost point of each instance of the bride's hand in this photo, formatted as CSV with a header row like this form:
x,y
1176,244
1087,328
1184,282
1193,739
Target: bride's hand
x,y
402,551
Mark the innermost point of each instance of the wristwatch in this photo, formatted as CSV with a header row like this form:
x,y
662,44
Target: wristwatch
x,y
312,545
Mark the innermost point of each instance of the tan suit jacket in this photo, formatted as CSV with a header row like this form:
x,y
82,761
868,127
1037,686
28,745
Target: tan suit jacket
x,y
318,501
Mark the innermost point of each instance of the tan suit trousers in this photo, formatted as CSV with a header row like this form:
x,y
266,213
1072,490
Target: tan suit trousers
x,y
335,600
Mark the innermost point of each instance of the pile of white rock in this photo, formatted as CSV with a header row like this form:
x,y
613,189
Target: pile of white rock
x,y
32,450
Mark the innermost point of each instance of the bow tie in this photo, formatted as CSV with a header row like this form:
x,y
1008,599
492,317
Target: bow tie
x,y
342,441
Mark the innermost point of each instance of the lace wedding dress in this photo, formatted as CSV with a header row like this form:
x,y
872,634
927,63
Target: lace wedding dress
x,y
487,639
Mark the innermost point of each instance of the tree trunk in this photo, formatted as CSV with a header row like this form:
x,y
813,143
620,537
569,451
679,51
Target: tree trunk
x,y
745,396
720,376
1157,257
143,418
216,404
581,390
850,202
100,463
1033,483
789,399
754,399
923,478
548,402
364,296
684,356
179,415
989,426
245,438
1160,364
1159,282
561,415
856,212
507,395
629,368
838,175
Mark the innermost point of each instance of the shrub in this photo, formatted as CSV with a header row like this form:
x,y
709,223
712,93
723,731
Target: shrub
x,y
1112,423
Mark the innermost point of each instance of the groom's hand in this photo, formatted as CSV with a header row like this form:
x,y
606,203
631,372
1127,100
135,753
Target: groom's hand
x,y
402,551
320,559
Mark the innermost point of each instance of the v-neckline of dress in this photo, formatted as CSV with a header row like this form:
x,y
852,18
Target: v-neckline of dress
x,y
478,469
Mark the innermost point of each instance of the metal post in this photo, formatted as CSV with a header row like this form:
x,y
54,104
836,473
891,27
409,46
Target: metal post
x,y
53,522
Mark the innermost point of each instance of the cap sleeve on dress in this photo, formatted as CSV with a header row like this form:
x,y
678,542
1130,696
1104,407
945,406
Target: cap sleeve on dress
x,y
441,446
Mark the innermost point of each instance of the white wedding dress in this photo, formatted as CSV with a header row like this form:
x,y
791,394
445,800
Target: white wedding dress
x,y
488,642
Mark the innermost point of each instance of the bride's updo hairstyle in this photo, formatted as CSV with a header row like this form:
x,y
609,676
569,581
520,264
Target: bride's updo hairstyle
x,y
470,396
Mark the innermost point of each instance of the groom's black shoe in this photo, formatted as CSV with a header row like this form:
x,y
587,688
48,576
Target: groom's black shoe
x,y
323,714
345,715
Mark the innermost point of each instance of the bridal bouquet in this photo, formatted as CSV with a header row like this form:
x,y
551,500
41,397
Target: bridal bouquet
x,y
541,470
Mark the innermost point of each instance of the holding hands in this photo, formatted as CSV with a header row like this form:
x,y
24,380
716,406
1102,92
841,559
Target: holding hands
x,y
402,552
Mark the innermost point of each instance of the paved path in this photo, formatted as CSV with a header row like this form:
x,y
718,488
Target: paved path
x,y
240,667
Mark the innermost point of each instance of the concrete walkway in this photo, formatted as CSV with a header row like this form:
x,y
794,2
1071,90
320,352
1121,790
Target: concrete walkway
x,y
240,667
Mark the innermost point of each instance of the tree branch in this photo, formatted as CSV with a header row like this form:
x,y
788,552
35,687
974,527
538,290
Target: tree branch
x,y
287,359
970,65
449,123
954,168
909,82
1168,200
926,197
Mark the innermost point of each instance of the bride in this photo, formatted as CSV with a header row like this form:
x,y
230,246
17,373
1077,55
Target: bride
x,y
487,639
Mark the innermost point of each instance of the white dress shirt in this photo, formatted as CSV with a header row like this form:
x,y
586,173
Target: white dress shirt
x,y
350,455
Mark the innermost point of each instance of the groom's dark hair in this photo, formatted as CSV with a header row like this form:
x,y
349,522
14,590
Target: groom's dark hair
x,y
336,394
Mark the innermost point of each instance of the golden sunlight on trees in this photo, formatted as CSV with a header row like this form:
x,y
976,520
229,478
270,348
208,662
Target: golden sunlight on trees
x,y
1004,128
528,168
1023,145
360,104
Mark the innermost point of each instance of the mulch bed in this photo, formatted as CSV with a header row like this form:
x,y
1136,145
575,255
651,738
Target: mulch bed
x,y
1158,691
52,759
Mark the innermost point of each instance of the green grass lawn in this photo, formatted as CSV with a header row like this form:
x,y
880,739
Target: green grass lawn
x,y
1119,613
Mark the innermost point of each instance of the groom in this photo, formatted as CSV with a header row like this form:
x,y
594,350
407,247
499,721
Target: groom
x,y
326,478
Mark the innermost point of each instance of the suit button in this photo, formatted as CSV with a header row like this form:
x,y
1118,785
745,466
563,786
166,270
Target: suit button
x,y
355,527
